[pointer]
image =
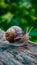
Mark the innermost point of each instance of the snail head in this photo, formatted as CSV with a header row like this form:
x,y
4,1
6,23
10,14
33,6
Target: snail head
x,y
26,36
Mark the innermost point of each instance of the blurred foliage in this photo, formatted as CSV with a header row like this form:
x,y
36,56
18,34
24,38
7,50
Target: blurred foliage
x,y
19,12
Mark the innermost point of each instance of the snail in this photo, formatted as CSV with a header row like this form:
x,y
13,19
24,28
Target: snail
x,y
16,34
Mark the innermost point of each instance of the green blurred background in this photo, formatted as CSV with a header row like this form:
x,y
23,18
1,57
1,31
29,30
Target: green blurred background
x,y
22,13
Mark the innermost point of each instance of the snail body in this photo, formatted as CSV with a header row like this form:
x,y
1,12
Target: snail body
x,y
16,34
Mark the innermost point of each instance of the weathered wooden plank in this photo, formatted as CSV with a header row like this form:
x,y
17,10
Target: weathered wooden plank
x,y
10,55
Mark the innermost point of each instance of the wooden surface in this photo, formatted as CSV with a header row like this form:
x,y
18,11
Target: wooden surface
x,y
26,55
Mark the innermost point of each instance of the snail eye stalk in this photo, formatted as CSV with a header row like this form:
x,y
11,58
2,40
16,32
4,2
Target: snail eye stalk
x,y
28,32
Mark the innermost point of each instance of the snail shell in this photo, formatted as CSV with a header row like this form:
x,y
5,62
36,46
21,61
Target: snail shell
x,y
14,32
10,34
